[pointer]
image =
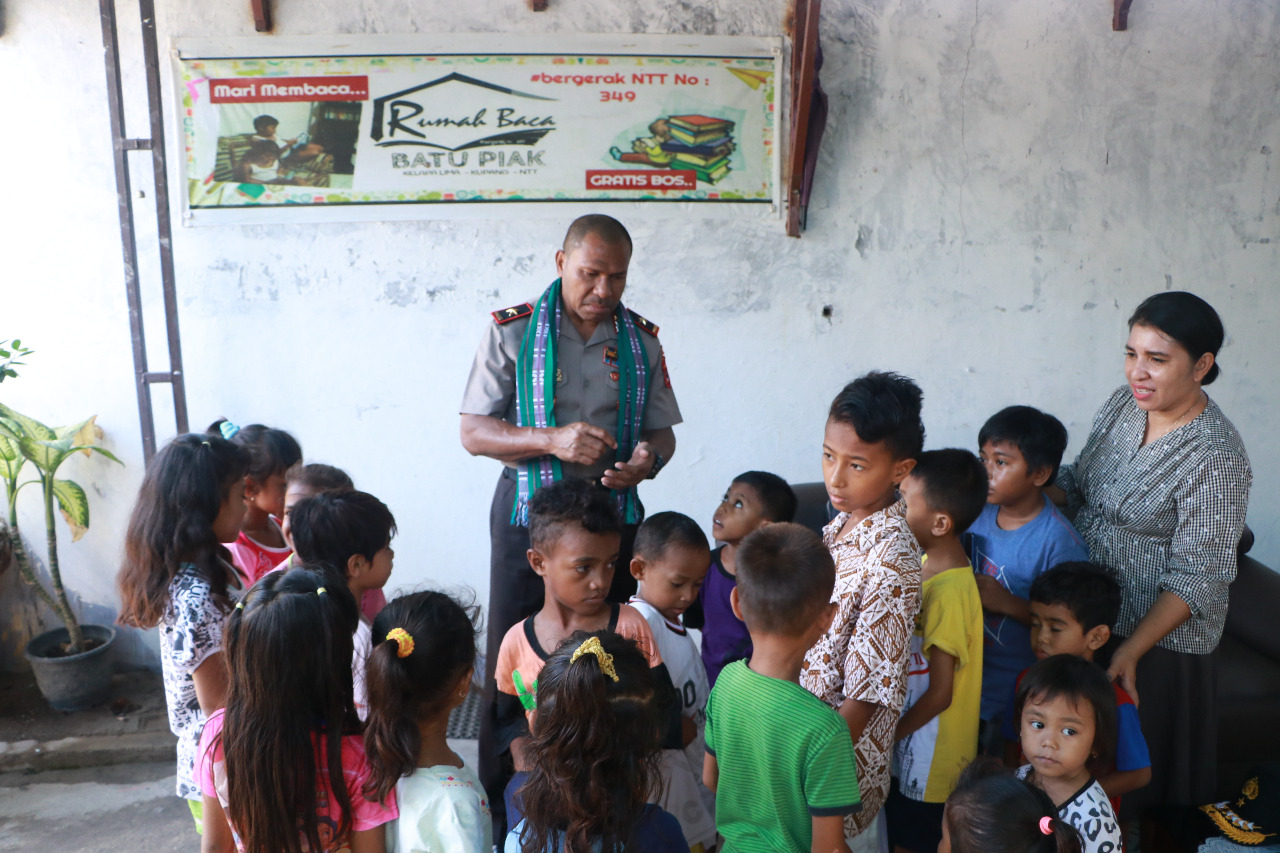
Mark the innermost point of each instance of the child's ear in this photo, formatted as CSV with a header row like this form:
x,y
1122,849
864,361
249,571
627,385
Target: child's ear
x,y
942,525
637,568
252,488
1097,637
536,562
901,469
736,605
1040,476
827,616
357,564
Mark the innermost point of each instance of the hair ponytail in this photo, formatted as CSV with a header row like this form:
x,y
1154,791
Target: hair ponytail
x,y
423,643
992,811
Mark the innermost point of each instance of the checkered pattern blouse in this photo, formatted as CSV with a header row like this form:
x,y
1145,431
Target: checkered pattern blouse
x,y
1165,516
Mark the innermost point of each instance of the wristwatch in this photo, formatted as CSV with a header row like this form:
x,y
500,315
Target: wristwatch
x,y
658,462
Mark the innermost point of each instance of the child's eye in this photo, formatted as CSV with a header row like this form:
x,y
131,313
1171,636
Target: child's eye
x,y
826,455
1037,725
737,504
1000,463
1068,731
855,466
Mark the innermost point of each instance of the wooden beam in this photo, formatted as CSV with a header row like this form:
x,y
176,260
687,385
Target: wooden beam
x,y
261,15
1120,15
804,50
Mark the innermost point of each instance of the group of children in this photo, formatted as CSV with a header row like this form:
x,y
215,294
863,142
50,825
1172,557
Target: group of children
x,y
841,694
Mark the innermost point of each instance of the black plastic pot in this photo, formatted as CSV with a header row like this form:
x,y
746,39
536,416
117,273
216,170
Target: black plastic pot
x,y
73,682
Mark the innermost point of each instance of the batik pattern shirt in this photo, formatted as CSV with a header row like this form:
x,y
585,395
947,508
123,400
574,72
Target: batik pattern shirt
x,y
864,653
1166,515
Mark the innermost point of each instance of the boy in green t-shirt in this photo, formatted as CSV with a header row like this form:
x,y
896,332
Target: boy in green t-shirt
x,y
780,760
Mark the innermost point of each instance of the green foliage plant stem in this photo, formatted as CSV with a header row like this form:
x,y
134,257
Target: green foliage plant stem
x,y
22,440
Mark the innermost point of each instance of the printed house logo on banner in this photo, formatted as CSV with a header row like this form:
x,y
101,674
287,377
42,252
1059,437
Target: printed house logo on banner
x,y
329,131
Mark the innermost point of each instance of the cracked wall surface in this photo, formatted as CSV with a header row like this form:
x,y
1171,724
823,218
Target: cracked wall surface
x,y
999,185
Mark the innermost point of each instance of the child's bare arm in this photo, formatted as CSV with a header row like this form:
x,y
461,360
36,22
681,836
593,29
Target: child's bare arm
x,y
1124,781
710,772
997,599
369,840
688,729
828,835
216,837
857,714
936,697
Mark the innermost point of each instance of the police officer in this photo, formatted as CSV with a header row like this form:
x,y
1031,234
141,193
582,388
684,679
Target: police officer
x,y
594,381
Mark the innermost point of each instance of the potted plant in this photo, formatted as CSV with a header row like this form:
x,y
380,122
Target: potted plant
x,y
72,664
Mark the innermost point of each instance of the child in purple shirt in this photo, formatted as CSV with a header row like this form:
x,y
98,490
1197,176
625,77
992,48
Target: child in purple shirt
x,y
753,500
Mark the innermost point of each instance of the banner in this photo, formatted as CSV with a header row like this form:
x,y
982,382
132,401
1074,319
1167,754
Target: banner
x,y
645,121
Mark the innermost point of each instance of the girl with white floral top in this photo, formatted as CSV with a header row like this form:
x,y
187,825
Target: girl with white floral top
x,y
176,576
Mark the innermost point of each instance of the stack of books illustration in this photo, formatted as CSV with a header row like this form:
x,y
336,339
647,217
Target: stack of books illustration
x,y
701,143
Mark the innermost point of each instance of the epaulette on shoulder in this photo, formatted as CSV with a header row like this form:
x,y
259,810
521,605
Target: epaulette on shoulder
x,y
647,325
515,312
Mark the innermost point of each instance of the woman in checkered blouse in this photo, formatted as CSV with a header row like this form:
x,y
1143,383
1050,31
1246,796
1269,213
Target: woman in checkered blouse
x,y
1159,494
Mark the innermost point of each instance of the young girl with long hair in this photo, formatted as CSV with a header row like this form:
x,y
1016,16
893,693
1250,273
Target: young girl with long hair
x,y
177,576
419,670
282,769
260,545
990,811
1067,710
594,745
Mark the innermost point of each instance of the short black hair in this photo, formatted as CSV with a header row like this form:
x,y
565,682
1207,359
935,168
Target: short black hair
x,y
1187,319
1073,678
665,529
605,227
883,407
785,574
955,482
261,123
776,497
571,501
332,527
1039,436
1086,589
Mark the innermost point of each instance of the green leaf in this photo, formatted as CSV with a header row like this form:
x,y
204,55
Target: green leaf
x,y
107,453
30,426
17,344
4,353
74,505
45,455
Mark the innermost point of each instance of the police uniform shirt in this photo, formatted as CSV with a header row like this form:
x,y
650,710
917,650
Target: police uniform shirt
x,y
586,380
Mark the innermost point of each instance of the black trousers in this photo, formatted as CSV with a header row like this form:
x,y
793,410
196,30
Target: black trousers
x,y
515,593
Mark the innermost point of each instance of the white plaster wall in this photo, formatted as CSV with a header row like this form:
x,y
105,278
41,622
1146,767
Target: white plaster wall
x,y
1000,184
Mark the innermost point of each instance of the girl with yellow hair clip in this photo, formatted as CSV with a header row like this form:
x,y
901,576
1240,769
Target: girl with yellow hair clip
x,y
594,745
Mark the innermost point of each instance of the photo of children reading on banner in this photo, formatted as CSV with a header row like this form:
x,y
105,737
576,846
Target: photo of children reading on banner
x,y
308,144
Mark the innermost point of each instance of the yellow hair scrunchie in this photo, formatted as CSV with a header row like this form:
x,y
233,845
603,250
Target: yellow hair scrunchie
x,y
404,641
591,646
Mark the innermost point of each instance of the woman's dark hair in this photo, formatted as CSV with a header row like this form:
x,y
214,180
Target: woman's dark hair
x,y
595,747
418,686
318,477
1076,680
1187,319
271,451
992,811
776,496
884,407
289,702
172,523
332,527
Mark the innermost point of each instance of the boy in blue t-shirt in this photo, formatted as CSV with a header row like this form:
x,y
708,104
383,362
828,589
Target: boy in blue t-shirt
x,y
753,500
1019,535
1073,606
